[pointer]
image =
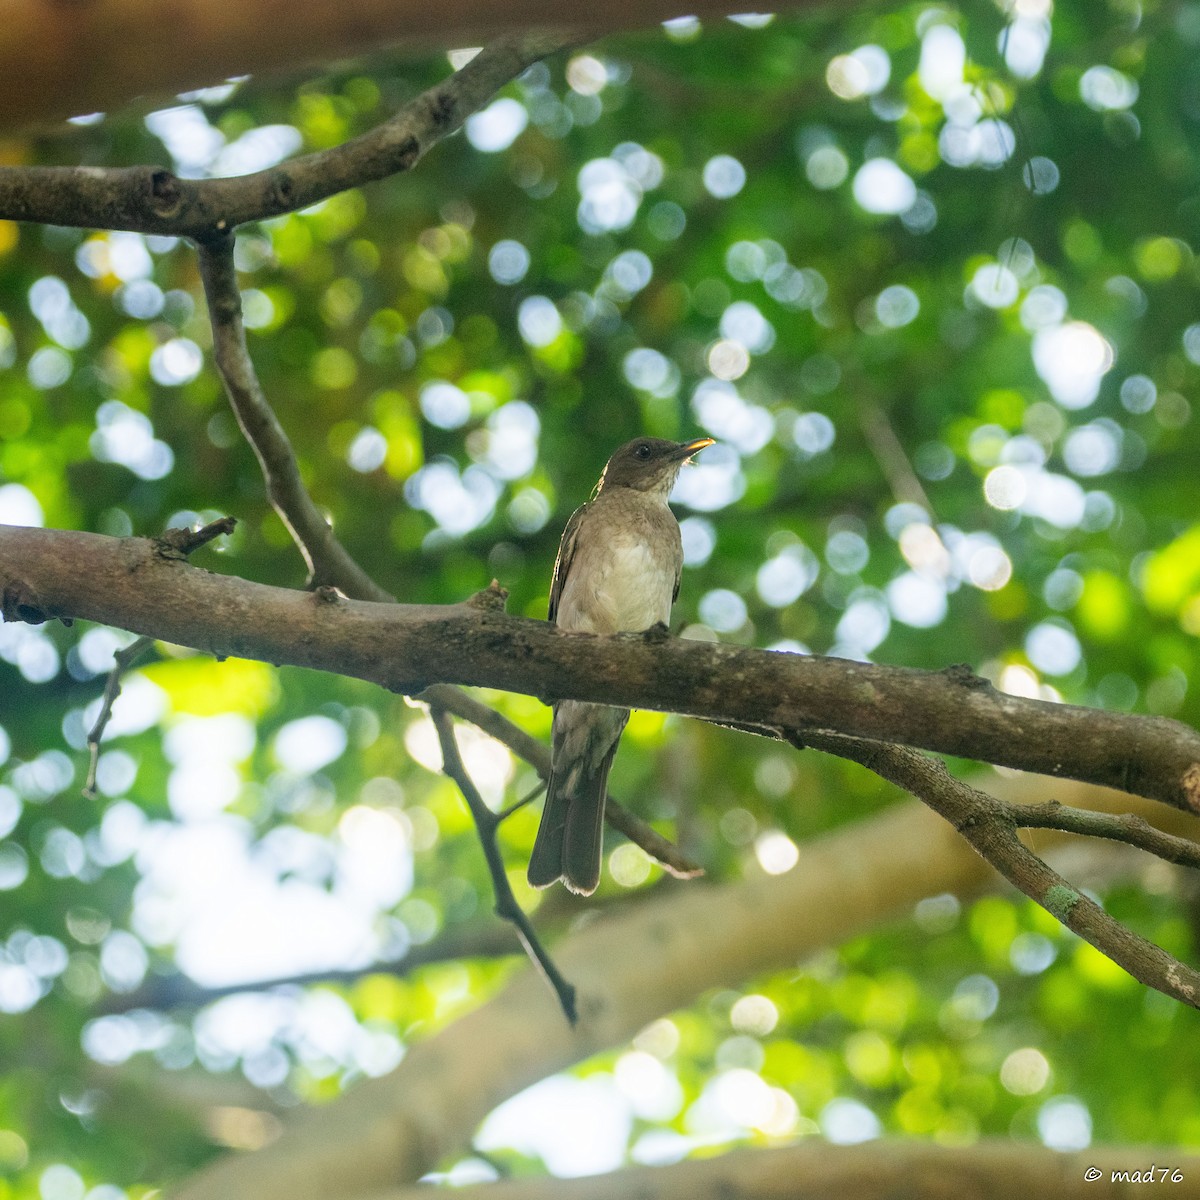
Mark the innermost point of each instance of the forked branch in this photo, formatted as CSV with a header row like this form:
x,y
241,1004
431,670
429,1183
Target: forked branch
x,y
990,825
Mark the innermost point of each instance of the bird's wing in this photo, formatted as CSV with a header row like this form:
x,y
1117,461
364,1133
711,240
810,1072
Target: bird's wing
x,y
678,563
562,564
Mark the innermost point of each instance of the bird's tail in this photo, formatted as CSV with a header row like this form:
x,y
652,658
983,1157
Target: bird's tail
x,y
570,838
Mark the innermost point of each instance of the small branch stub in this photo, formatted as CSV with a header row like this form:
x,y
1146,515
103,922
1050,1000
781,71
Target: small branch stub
x,y
491,599
179,543
964,675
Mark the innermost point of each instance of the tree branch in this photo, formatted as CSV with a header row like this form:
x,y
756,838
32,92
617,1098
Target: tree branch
x,y
889,453
487,823
628,970
122,661
812,1169
180,542
122,582
330,566
66,59
481,939
990,826
151,199
328,562
1129,828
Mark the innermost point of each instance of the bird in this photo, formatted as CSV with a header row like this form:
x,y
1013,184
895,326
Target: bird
x,y
617,571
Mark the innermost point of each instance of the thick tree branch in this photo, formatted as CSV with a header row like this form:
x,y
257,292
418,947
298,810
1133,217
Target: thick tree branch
x,y
629,967
153,200
990,826
628,970
405,648
814,1170
58,60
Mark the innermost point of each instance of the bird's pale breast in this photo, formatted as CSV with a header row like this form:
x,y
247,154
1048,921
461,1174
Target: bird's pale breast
x,y
623,581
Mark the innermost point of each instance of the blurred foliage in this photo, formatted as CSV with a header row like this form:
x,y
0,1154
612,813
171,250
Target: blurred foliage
x,y
928,275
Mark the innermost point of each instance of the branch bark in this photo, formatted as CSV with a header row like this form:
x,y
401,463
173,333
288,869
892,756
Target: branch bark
x,y
174,542
629,968
127,583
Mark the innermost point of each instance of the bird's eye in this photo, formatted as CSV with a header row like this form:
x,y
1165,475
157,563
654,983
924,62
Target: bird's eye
x,y
643,451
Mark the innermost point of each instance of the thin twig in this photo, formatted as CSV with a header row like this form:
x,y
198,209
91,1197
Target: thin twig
x,y
527,799
643,835
329,562
487,824
122,661
493,723
991,828
891,456
1117,827
482,939
173,543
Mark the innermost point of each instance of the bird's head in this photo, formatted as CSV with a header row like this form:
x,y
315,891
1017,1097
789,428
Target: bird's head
x,y
649,464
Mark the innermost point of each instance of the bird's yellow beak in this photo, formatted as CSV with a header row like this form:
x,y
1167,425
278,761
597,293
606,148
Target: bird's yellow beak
x,y
695,447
